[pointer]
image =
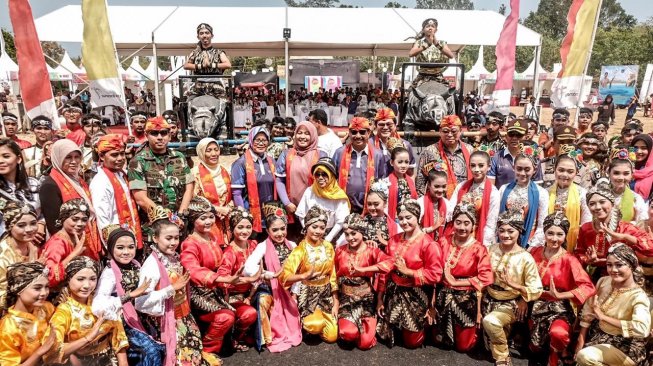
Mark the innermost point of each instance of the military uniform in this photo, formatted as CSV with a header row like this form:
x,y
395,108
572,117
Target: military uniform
x,y
164,177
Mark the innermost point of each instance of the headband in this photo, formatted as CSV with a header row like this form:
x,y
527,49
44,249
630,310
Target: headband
x,y
359,123
557,219
156,124
411,206
199,206
204,26
315,214
112,141
626,254
380,187
514,218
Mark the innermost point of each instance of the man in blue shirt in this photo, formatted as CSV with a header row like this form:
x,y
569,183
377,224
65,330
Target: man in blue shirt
x,y
501,167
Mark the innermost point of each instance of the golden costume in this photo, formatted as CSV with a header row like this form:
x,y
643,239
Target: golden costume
x,y
21,333
9,255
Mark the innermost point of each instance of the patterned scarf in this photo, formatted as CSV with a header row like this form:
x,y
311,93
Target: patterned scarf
x,y
252,189
485,206
572,211
531,215
299,162
627,205
393,196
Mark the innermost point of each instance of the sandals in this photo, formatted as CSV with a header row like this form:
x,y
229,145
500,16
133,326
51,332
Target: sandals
x,y
239,347
507,362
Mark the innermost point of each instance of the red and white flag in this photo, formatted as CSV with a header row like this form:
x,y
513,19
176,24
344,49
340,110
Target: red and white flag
x,y
505,51
33,75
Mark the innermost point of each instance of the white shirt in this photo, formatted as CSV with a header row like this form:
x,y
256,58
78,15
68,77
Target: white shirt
x,y
153,302
103,302
337,211
490,230
254,260
329,143
104,201
34,155
542,211
359,155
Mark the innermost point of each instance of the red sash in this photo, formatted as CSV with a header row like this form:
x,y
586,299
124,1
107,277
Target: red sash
x,y
68,193
393,198
345,162
210,193
427,220
252,190
485,205
127,213
451,177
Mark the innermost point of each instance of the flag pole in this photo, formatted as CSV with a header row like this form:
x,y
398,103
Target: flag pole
x,y
587,63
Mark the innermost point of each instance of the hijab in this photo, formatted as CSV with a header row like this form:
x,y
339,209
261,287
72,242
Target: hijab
x,y
300,162
201,151
60,150
644,176
332,190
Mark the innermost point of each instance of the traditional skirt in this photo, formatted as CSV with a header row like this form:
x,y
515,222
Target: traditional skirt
x,y
455,307
143,350
104,358
314,297
635,348
543,314
262,291
189,345
204,300
356,300
405,308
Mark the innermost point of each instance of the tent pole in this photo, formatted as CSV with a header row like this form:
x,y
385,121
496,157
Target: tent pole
x,y
156,78
536,79
374,68
286,66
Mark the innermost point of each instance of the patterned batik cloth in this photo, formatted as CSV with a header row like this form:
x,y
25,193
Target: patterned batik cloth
x,y
455,307
635,348
405,308
356,300
542,316
314,297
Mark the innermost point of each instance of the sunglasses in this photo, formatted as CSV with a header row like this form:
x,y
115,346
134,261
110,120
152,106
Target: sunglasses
x,y
515,134
357,132
321,175
163,133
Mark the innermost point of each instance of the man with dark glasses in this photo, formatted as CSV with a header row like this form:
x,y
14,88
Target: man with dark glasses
x,y
158,175
501,166
358,163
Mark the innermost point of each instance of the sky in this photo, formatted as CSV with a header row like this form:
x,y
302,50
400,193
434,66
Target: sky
x,y
641,9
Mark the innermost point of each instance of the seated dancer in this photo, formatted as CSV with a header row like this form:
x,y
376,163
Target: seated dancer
x,y
201,256
380,228
279,328
17,243
527,197
68,243
91,340
616,322
516,282
213,182
606,229
165,305
568,197
480,192
566,287
452,154
22,329
402,301
239,294
358,163
401,185
620,172
434,206
428,49
467,272
311,263
356,264
116,291
325,193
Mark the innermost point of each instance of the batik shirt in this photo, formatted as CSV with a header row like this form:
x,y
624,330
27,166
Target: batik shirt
x,y
431,54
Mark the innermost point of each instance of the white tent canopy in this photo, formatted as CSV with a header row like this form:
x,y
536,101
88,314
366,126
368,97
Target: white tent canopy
x,y
258,31
530,70
478,70
7,65
68,65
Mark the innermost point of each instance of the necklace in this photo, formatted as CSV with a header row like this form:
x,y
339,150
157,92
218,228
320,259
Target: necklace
x,y
352,259
543,265
457,251
608,303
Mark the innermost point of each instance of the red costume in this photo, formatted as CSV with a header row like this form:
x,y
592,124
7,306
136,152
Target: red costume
x,y
55,250
23,144
404,294
551,317
470,261
77,135
356,293
233,260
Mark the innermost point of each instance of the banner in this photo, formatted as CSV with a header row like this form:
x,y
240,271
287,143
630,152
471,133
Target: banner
x,y
647,83
505,52
575,52
332,82
618,81
99,56
313,83
33,74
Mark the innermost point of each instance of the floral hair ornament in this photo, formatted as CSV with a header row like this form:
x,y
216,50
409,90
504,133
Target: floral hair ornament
x,y
274,211
530,152
624,154
437,165
237,215
487,149
381,188
157,213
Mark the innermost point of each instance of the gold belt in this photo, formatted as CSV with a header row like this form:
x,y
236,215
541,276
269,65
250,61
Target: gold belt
x,y
358,291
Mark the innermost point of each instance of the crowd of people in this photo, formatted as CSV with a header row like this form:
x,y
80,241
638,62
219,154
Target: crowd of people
x,y
543,241
503,236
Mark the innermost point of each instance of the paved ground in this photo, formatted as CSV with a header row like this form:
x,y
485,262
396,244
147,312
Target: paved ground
x,y
335,355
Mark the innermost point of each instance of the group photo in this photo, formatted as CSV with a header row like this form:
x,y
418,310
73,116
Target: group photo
x,y
200,184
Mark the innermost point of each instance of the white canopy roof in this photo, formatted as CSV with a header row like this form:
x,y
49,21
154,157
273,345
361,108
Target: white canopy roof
x,y
530,70
67,63
258,31
7,65
478,69
135,72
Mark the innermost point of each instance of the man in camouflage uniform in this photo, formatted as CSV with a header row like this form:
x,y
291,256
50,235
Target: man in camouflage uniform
x,y
564,138
159,176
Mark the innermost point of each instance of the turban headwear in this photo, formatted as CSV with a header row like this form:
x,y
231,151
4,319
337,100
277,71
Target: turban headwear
x,y
411,206
112,141
383,114
156,124
558,219
450,121
359,123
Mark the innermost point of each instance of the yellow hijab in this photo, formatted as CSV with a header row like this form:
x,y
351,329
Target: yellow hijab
x,y
332,191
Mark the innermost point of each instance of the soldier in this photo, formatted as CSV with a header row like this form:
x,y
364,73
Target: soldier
x,y
562,136
159,176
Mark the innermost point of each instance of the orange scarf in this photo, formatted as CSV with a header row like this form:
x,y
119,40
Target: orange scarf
x,y
393,197
127,211
68,193
451,177
252,190
345,163
210,193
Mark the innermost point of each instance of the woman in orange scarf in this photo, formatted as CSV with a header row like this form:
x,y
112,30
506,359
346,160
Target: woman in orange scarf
x,y
213,182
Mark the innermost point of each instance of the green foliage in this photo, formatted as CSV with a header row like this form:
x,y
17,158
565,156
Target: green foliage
x,y
394,4
445,4
312,3
10,48
502,9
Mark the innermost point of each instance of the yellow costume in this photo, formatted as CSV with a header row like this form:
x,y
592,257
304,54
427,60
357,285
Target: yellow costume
x,y
610,345
21,333
72,321
315,299
500,301
8,256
